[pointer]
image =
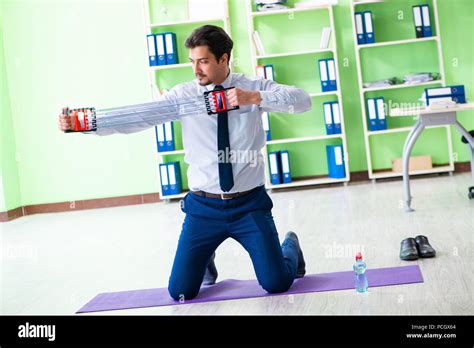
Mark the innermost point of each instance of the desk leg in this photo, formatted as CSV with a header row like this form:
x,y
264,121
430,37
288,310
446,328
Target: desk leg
x,y
470,140
409,143
472,163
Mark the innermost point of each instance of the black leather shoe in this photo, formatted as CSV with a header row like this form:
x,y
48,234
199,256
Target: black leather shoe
x,y
424,247
408,249
301,269
210,276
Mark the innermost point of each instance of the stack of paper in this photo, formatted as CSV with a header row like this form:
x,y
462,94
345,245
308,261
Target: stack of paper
x,y
420,78
271,7
382,83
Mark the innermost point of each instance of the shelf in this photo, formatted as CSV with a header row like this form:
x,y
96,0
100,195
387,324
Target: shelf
x,y
303,139
322,94
179,195
289,11
295,53
388,131
365,90
355,3
194,21
170,66
440,169
398,42
400,130
167,153
307,182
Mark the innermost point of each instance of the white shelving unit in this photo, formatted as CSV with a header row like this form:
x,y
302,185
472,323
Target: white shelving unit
x,y
251,15
155,90
381,175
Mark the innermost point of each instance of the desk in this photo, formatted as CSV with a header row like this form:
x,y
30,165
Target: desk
x,y
430,117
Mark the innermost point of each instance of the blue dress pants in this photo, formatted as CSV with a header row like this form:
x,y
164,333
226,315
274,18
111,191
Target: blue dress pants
x,y
248,220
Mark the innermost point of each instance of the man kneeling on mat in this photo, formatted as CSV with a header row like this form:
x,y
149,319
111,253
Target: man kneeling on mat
x,y
226,172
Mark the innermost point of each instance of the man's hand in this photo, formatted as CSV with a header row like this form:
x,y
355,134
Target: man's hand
x,y
240,97
64,122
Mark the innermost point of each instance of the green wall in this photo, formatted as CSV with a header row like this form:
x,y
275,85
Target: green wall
x,y
9,181
457,25
94,53
76,53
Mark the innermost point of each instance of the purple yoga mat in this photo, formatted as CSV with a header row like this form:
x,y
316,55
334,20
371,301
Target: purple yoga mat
x,y
232,289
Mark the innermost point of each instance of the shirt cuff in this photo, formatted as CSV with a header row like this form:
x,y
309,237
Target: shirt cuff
x,y
268,98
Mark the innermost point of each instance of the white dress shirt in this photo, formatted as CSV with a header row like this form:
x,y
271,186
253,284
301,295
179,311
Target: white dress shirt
x,y
246,134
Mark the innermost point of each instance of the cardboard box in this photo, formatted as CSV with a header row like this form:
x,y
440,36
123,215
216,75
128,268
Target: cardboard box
x,y
416,163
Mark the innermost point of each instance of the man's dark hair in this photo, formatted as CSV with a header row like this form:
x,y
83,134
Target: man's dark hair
x,y
213,37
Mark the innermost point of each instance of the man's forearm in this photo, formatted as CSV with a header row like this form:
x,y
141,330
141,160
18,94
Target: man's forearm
x,y
282,98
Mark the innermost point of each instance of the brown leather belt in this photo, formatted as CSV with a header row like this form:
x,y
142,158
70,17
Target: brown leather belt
x,y
223,195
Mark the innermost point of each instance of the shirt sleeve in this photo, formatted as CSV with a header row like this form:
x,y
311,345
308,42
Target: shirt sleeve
x,y
171,96
283,98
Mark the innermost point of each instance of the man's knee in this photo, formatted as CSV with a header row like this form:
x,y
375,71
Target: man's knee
x,y
182,294
274,287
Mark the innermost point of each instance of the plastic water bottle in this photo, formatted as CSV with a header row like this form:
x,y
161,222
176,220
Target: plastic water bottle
x,y
360,278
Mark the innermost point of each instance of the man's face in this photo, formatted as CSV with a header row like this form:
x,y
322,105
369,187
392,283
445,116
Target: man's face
x,y
205,66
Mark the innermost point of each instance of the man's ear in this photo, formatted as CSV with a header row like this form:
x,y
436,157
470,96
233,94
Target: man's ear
x,y
224,58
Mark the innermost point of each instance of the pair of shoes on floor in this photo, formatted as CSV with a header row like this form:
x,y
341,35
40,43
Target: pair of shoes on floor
x,y
301,269
413,248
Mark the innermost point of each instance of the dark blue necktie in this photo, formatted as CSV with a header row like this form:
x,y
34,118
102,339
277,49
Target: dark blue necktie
x,y
226,178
